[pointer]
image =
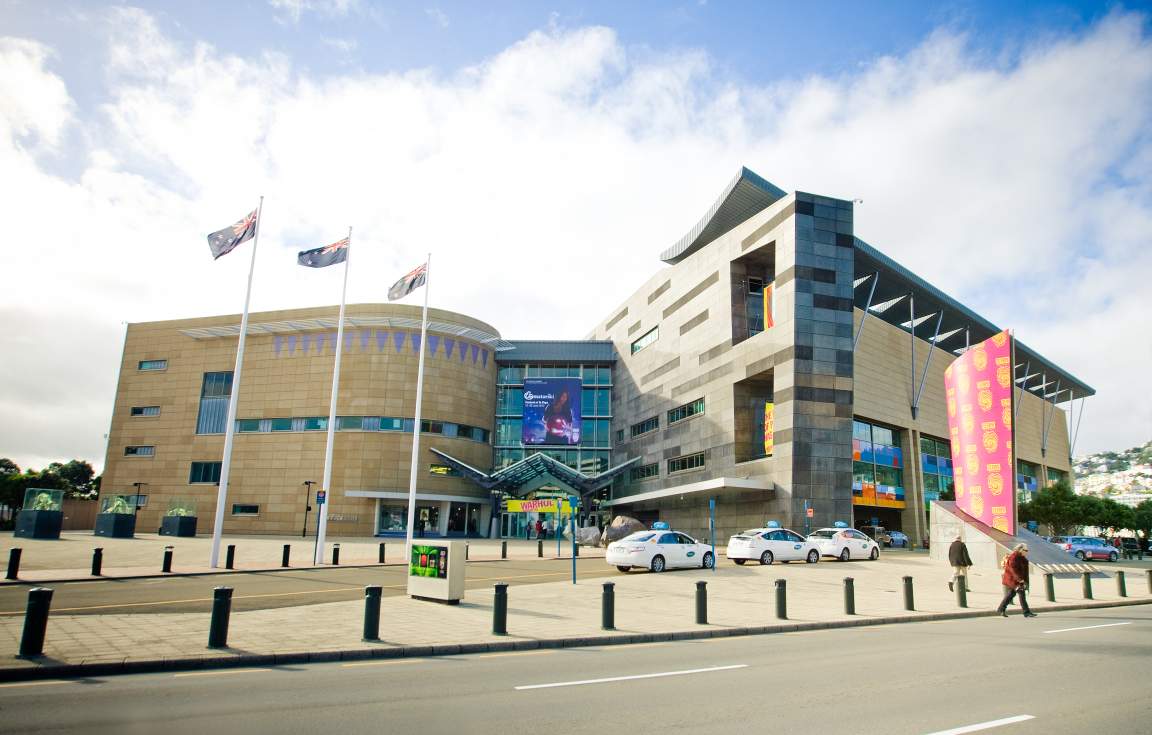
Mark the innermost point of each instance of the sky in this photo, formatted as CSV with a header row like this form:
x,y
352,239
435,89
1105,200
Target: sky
x,y
1002,150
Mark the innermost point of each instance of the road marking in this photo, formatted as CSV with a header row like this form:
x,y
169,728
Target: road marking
x,y
1088,627
629,678
984,725
36,683
391,662
222,672
516,653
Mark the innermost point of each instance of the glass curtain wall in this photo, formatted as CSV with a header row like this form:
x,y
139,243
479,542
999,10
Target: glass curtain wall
x,y
936,461
877,466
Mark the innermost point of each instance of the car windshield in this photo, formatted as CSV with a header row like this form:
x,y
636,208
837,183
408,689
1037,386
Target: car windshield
x,y
751,532
823,533
639,536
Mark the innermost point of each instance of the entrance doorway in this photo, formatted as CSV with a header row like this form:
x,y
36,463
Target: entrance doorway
x,y
427,520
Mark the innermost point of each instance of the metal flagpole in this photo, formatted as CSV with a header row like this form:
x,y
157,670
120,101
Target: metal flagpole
x,y
416,423
230,428
322,510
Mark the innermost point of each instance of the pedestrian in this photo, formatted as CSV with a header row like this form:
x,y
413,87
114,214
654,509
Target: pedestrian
x,y
960,560
539,529
1015,580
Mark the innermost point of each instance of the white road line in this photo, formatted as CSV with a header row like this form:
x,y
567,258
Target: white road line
x,y
42,683
628,678
390,662
984,725
222,672
1088,627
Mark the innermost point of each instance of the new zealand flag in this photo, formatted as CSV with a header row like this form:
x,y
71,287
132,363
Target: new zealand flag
x,y
337,252
224,241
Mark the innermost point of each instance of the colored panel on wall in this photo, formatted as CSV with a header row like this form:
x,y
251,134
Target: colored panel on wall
x,y
769,427
551,411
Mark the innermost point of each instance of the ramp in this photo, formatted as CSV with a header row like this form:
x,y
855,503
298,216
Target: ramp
x,y
988,546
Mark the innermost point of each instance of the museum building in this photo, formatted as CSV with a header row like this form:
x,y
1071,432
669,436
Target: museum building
x,y
778,366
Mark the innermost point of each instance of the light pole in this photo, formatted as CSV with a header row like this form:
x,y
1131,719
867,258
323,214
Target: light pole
x,y
307,494
136,500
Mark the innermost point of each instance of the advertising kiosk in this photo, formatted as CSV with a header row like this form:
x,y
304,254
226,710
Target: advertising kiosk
x,y
436,571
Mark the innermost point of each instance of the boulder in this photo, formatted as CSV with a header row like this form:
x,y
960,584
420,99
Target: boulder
x,y
620,527
589,536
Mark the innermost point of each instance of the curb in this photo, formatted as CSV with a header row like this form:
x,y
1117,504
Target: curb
x,y
82,670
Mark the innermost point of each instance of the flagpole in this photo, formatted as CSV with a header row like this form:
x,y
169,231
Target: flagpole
x,y
416,423
322,522
230,428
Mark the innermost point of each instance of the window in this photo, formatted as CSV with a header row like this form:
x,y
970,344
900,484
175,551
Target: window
x,y
619,435
145,411
315,423
644,472
204,472
248,426
646,339
215,393
280,424
349,423
685,463
431,427
645,426
139,451
245,509
153,365
688,409
510,374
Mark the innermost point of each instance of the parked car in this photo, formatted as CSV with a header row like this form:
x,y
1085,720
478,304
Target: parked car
x,y
899,539
659,549
844,544
1087,547
770,544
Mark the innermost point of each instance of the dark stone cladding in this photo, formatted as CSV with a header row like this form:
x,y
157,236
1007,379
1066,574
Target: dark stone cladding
x,y
656,294
663,369
770,225
694,322
715,352
814,395
696,290
699,380
632,329
612,322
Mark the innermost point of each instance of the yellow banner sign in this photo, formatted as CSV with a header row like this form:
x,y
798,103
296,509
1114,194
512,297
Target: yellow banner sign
x,y
769,428
537,506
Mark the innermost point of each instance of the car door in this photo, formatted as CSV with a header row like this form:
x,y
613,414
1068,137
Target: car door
x,y
692,553
861,545
793,545
668,546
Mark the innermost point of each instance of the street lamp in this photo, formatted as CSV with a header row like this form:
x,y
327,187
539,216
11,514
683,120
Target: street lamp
x,y
136,500
307,494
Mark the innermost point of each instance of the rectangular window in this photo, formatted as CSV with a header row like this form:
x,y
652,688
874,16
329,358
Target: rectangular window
x,y
349,423
245,509
388,423
204,472
619,436
431,427
281,424
215,393
688,409
685,463
315,423
861,431
646,339
145,411
153,365
645,426
644,472
248,426
139,451
510,375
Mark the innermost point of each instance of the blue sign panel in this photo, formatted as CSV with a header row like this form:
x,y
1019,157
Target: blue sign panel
x,y
551,411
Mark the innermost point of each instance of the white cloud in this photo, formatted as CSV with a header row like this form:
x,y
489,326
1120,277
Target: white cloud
x,y
572,153
438,16
294,10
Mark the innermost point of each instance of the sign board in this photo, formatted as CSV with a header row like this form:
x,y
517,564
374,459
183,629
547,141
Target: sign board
x,y
546,505
321,496
811,512
769,428
551,411
436,571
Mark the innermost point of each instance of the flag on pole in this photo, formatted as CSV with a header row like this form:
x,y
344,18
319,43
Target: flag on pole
x,y
323,257
408,283
224,241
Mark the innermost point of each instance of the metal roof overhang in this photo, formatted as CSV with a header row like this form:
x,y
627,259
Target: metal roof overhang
x,y
715,485
321,323
745,195
895,282
533,471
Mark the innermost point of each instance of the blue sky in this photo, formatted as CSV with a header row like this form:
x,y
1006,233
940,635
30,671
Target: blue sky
x,y
1016,133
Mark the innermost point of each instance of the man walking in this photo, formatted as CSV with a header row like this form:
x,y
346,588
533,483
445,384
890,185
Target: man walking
x,y
1015,580
960,561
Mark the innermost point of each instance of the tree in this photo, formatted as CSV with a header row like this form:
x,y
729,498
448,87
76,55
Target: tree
x,y
1142,518
8,467
77,475
1058,507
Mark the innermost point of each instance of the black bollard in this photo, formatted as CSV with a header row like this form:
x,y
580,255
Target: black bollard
x,y
782,599
230,559
909,601
1086,584
1149,581
1049,587
465,552
576,550
35,622
166,566
97,561
381,552
335,555
372,612
540,549
500,609
13,563
221,612
608,607
286,555
962,591
701,603
503,549
1121,587
849,596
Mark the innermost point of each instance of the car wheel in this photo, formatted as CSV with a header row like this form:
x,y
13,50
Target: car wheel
x,y
1080,555
766,558
623,569
709,560
1113,557
739,561
813,556
657,563
845,555
875,554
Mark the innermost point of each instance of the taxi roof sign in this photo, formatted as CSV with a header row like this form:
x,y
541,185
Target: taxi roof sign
x,y
660,526
772,524
840,524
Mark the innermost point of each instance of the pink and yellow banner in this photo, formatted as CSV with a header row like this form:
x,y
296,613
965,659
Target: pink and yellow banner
x,y
978,386
769,428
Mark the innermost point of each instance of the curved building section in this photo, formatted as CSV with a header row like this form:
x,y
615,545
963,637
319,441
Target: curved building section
x,y
168,424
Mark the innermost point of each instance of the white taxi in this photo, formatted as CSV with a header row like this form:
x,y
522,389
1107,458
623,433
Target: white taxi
x,y
659,549
844,543
771,543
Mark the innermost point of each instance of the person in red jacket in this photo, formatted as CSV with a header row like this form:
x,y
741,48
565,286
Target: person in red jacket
x,y
1015,580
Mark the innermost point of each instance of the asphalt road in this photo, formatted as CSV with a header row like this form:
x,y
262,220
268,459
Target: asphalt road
x,y
262,590
1079,671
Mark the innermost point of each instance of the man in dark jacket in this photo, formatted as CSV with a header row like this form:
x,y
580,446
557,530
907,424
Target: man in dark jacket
x,y
1015,580
960,561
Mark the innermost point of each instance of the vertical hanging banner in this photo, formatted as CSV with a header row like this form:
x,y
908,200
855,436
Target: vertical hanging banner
x,y
978,386
551,411
769,428
769,316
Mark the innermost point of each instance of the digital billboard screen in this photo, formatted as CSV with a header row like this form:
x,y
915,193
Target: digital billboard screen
x,y
551,411
429,561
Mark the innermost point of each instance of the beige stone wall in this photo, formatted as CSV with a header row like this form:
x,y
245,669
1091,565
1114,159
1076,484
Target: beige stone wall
x,y
269,468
